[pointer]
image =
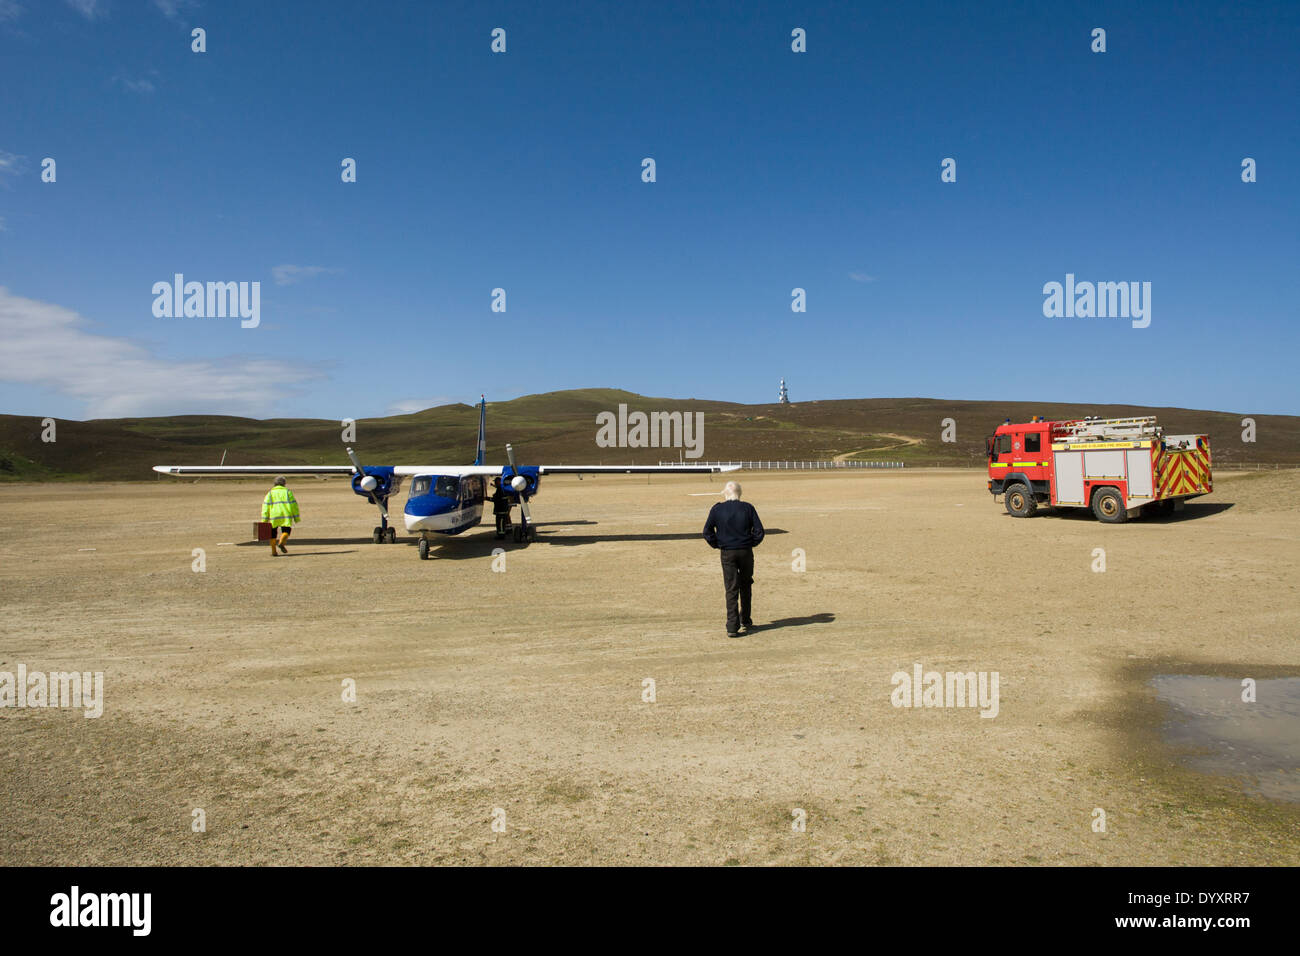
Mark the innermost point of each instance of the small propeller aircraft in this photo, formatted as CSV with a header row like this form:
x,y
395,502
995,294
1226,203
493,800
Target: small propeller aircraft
x,y
444,499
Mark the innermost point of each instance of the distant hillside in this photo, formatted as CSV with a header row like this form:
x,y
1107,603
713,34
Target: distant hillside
x,y
560,428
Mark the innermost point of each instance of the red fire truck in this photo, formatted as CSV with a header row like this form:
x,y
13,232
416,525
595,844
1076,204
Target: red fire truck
x,y
1115,466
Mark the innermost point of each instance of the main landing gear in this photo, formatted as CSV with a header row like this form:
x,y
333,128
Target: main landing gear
x,y
384,533
524,531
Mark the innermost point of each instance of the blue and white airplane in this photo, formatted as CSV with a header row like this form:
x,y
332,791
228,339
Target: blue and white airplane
x,y
444,499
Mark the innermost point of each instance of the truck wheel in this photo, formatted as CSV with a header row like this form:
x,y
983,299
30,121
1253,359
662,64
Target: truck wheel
x,y
1020,500
1108,506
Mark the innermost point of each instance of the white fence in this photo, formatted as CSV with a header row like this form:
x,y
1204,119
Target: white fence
x,y
793,465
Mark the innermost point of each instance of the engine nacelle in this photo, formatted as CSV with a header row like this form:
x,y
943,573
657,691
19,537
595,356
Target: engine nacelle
x,y
523,484
379,481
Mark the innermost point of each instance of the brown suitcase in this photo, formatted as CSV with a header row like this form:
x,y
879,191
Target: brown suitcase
x,y
263,531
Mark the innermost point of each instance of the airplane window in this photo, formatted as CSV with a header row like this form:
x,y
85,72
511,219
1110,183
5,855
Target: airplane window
x,y
420,486
446,487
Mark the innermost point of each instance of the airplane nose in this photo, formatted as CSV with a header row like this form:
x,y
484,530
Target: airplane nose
x,y
419,509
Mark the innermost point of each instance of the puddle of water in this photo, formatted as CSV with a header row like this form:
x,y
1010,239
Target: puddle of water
x,y
1219,733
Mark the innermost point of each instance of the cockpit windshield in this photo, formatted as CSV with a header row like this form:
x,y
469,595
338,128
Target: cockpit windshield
x,y
446,486
420,486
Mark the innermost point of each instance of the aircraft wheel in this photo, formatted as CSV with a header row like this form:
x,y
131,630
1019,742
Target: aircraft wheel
x,y
377,535
424,549
392,536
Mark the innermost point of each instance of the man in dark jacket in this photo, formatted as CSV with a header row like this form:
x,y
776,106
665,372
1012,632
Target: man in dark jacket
x,y
501,503
733,528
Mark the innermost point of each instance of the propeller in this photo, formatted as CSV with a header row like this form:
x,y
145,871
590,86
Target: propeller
x,y
368,483
519,483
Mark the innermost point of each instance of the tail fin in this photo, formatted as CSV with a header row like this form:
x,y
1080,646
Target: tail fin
x,y
482,430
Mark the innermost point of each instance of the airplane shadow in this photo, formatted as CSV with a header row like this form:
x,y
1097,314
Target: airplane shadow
x,y
481,546
571,539
309,554
477,545
313,541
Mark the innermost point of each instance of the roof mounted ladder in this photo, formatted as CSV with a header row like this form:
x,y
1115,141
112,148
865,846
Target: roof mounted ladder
x,y
1099,429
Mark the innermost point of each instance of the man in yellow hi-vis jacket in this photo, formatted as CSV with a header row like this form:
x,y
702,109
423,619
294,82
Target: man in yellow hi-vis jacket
x,y
281,509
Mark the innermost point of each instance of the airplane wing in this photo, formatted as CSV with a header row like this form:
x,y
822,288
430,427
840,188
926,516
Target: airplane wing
x,y
234,471
460,471
634,469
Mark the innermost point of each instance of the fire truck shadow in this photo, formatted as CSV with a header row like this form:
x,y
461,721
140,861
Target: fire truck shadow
x,y
1191,511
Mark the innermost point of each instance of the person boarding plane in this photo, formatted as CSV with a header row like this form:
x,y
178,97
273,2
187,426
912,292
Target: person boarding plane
x,y
444,499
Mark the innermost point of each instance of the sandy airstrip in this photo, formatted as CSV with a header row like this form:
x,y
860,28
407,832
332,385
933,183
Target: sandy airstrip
x,y
523,690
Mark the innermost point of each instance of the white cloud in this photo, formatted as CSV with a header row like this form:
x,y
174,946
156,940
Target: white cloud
x,y
406,406
49,346
90,9
288,275
861,277
10,164
171,9
142,85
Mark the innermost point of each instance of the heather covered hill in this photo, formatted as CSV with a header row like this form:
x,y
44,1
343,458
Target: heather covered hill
x,y
560,427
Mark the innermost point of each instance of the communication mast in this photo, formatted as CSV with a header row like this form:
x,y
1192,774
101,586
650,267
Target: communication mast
x,y
784,398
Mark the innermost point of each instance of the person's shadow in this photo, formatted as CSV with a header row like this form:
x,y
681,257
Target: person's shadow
x,y
825,617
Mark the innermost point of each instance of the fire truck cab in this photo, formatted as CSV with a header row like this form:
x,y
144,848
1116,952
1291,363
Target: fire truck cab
x,y
1115,466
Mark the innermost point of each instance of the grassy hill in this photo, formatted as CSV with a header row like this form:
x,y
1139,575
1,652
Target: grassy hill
x,y
560,428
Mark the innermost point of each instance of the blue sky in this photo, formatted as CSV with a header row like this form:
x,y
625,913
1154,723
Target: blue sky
x,y
522,171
